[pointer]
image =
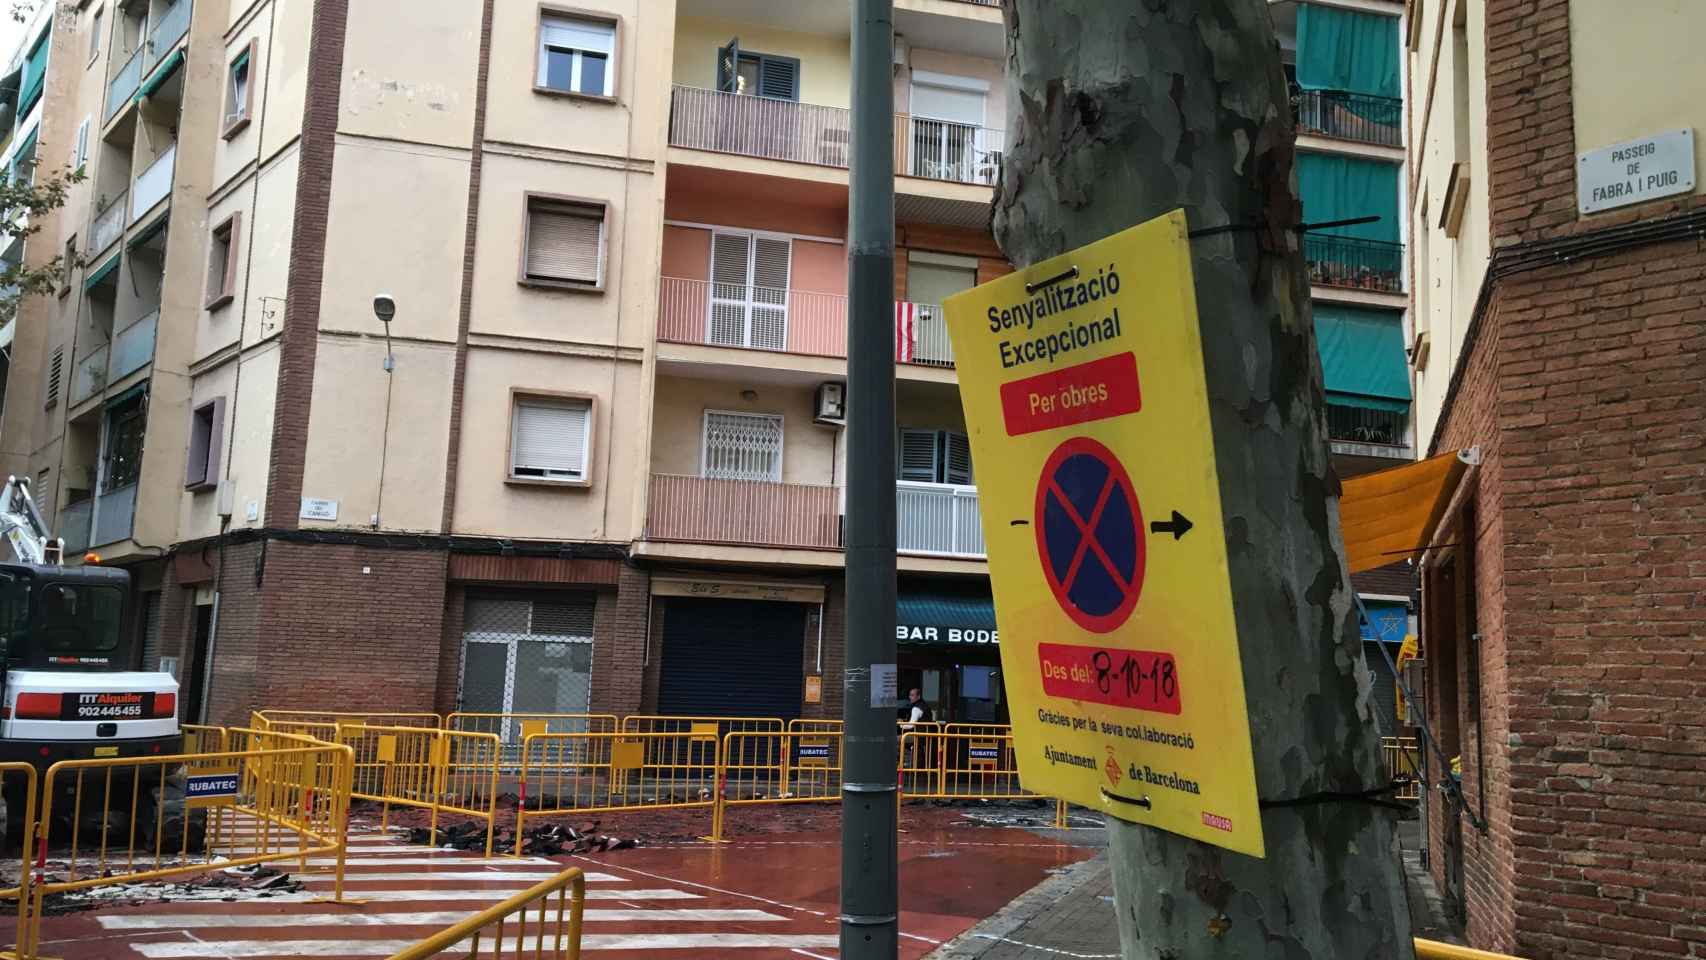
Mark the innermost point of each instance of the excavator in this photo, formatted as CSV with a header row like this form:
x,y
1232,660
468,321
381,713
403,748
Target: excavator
x,y
68,690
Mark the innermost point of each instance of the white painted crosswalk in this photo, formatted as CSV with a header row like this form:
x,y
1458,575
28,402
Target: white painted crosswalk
x,y
400,893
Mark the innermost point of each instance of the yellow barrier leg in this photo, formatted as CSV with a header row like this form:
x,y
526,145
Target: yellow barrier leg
x,y
1060,814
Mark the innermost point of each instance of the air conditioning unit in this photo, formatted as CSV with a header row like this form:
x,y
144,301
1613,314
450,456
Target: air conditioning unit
x,y
831,404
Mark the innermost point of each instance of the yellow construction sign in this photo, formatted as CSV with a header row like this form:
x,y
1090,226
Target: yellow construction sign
x,y
1084,393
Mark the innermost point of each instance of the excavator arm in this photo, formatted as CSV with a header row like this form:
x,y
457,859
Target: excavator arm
x,y
23,527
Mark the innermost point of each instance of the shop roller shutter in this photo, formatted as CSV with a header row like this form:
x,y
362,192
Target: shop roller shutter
x,y
732,658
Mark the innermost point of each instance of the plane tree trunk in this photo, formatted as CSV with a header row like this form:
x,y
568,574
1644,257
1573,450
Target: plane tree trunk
x,y
1120,112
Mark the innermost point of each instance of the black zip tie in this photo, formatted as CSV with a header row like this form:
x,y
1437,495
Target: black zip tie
x,y
1134,801
1067,274
1262,225
1372,797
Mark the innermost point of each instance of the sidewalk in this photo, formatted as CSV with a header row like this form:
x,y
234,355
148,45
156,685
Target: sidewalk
x,y
1070,916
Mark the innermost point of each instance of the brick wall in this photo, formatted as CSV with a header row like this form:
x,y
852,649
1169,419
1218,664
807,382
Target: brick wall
x,y
448,690
619,637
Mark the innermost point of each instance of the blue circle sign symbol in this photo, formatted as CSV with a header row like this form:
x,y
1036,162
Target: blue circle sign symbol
x,y
1089,534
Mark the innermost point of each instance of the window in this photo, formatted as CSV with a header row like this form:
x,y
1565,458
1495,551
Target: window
x,y
207,433
757,74
81,155
222,261
933,277
239,91
564,243
43,493
68,265
55,371
576,55
79,618
95,21
743,446
749,291
121,453
550,439
935,456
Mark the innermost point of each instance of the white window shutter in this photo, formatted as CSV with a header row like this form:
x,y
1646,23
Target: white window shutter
x,y
731,254
564,242
589,35
549,439
918,456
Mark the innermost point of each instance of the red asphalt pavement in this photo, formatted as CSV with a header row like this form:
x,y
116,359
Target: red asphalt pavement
x,y
769,897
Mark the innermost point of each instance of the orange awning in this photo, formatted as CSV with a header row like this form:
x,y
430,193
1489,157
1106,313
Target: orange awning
x,y
1387,516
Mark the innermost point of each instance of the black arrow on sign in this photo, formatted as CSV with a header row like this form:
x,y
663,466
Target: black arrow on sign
x,y
1178,526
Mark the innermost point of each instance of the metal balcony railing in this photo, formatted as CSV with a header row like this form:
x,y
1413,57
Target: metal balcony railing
x,y
1349,116
91,376
108,224
810,133
939,519
746,512
934,519
124,83
1353,264
114,512
154,184
1361,425
133,347
770,318
167,31
74,522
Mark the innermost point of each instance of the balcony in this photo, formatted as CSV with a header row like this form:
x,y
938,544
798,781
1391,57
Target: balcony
x,y
781,321
938,519
809,133
1360,425
1358,117
114,511
1348,263
108,225
745,512
90,377
932,519
75,520
154,184
168,30
132,347
124,83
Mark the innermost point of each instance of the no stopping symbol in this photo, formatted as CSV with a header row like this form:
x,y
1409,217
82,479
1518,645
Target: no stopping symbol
x,y
1089,534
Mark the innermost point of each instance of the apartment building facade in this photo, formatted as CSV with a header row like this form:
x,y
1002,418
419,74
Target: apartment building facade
x,y
591,455
1560,312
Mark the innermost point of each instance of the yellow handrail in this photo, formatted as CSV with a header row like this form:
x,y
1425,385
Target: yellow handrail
x,y
566,942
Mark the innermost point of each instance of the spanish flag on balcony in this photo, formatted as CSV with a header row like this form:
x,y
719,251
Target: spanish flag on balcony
x,y
905,331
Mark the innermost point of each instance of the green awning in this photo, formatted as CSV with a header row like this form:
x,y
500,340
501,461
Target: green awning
x,y
161,74
1362,356
100,273
150,232
35,73
934,619
1344,188
1339,49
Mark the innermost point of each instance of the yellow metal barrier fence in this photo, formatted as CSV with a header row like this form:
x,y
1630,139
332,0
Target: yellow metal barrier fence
x,y
383,719
512,729
444,771
959,766
793,767
559,940
18,782
135,819
569,773
202,739
1434,950
1403,757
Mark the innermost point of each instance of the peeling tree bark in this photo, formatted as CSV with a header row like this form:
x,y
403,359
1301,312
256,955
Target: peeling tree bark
x,y
1119,112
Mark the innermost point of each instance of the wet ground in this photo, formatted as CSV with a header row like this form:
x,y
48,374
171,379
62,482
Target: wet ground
x,y
770,892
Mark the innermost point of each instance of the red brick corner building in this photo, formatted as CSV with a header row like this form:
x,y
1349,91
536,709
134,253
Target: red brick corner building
x,y
1564,594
